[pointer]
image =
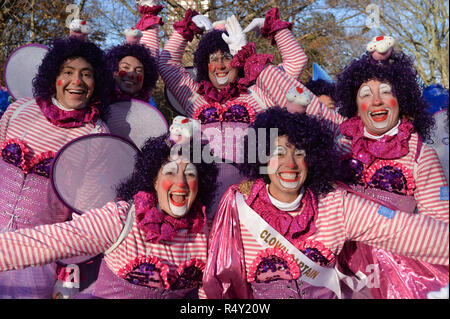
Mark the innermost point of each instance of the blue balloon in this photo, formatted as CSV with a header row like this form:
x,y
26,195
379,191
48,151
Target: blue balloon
x,y
437,96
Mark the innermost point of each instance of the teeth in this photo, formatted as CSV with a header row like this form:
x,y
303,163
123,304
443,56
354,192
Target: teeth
x,y
288,175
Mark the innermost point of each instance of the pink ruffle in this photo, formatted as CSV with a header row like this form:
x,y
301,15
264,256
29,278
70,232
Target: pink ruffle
x,y
158,225
324,251
39,158
295,228
367,150
294,269
136,262
187,27
272,24
192,262
229,92
69,119
149,17
24,149
407,173
252,63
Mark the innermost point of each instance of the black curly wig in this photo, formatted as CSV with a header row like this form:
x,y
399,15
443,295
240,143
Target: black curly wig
x,y
155,153
305,133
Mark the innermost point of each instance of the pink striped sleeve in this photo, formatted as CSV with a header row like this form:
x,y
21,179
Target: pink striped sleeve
x,y
175,77
413,235
92,233
431,190
150,40
292,54
4,121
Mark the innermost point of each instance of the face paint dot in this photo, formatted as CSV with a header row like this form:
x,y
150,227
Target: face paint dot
x,y
122,73
59,82
393,102
166,184
140,77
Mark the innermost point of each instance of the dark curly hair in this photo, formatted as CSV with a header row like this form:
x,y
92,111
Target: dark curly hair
x,y
304,132
321,87
61,50
140,52
399,71
155,153
210,43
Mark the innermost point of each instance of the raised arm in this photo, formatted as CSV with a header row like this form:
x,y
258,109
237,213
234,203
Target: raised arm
x,y
175,77
279,32
149,25
92,233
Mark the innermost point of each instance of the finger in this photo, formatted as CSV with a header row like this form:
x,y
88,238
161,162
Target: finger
x,y
225,38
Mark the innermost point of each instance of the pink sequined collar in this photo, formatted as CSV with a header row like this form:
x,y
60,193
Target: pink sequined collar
x,y
69,119
295,229
212,94
158,225
388,147
120,96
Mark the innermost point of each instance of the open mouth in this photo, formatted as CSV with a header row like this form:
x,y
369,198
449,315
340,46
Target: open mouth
x,y
178,198
76,92
289,177
222,78
380,115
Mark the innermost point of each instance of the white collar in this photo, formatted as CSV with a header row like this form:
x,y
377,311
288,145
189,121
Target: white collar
x,y
391,132
287,207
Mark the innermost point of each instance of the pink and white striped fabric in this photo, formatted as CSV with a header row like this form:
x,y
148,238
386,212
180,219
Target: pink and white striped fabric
x,y
92,233
38,133
344,216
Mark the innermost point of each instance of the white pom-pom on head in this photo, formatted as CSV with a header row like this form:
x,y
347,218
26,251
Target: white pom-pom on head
x,y
298,99
133,35
183,129
381,47
79,28
219,25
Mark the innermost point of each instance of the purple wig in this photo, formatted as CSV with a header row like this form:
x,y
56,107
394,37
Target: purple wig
x,y
321,87
305,133
44,83
155,153
210,43
399,71
140,52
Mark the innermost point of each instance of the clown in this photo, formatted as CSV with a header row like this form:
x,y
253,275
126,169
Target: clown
x,y
68,97
277,234
380,129
153,238
232,81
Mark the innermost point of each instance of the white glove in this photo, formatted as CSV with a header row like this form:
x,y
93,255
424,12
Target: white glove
x,y
147,3
255,25
236,37
202,22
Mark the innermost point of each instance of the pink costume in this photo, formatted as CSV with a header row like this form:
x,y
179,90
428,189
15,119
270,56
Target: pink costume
x,y
233,108
239,267
26,196
399,172
158,257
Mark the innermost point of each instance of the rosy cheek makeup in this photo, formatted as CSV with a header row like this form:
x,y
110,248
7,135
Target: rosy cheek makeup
x,y
140,77
60,82
122,73
364,106
166,184
393,102
210,68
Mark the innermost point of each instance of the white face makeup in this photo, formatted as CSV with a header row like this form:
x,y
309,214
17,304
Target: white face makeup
x,y
220,71
287,171
177,187
377,106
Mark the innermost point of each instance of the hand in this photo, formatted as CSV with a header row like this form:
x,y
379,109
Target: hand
x,y
255,25
236,37
147,3
202,22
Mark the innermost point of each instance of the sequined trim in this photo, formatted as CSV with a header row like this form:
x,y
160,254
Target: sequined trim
x,y
146,271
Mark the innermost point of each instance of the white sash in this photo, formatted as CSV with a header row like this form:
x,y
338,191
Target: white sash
x,y
310,272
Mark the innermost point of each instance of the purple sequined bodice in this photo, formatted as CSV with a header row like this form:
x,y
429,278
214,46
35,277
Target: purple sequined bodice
x,y
383,175
229,112
14,152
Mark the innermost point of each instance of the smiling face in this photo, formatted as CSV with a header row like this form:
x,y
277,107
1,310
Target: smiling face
x,y
75,83
130,76
220,71
287,170
176,187
377,106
